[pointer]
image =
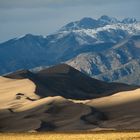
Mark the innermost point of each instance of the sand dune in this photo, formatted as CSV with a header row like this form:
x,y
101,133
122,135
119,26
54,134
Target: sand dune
x,y
121,108
64,80
47,101
22,110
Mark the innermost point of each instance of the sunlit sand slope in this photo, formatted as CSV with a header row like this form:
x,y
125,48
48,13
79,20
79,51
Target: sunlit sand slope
x,y
122,109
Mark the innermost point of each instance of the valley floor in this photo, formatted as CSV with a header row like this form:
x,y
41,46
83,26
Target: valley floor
x,y
101,135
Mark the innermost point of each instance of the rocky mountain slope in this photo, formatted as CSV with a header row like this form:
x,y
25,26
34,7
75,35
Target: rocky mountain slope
x,y
120,63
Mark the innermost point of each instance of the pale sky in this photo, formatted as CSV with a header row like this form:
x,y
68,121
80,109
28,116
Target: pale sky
x,y
43,17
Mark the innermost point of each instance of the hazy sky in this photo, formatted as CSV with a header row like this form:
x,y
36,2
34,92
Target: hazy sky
x,y
43,17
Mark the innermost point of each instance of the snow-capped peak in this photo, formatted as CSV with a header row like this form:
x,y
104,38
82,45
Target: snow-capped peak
x,y
108,33
90,23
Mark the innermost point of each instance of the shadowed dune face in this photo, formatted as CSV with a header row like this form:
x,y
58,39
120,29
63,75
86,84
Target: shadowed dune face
x,y
22,110
63,80
122,109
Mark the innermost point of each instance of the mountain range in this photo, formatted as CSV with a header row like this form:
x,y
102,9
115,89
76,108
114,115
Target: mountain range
x,y
106,49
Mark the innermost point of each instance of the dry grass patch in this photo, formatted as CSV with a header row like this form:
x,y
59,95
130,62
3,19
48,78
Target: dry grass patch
x,y
72,136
